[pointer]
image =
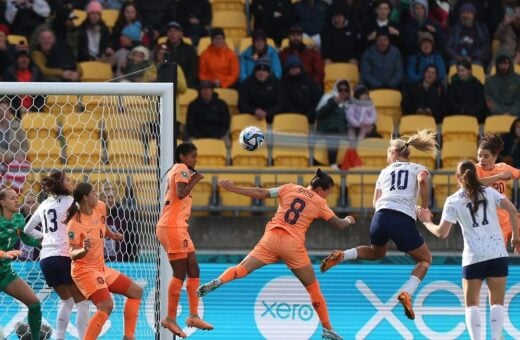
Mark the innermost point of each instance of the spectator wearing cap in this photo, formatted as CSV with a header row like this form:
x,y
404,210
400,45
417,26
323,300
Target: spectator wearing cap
x,y
128,16
130,38
156,14
218,63
183,54
274,17
465,93
309,56
311,15
258,50
426,55
137,62
94,36
340,39
361,115
468,39
7,51
360,12
208,116
383,9
488,12
261,94
419,21
502,90
24,16
508,33
195,18
381,64
301,92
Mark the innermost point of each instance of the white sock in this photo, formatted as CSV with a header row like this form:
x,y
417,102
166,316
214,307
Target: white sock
x,y
62,320
411,285
82,318
497,321
350,254
473,322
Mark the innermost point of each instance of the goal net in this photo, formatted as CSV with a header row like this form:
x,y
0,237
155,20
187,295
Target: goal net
x,y
106,134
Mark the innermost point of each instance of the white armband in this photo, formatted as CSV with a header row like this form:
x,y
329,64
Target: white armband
x,y
273,192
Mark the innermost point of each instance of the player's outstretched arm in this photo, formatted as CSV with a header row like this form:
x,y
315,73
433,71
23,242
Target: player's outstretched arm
x,y
253,192
506,176
342,223
508,206
424,187
113,235
30,227
441,230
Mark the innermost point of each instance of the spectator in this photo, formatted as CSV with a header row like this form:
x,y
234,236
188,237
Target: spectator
x,y
381,64
419,21
311,15
136,64
427,97
488,12
129,39
62,25
301,92
218,63
508,33
94,36
502,90
261,94
382,19
466,94
113,4
340,39
128,16
331,117
361,11
309,56
511,152
427,55
468,39
361,115
183,54
24,16
195,18
7,51
54,58
259,50
274,17
156,14
208,116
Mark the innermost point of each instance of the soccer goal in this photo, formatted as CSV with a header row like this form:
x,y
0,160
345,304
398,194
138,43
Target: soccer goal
x,y
108,134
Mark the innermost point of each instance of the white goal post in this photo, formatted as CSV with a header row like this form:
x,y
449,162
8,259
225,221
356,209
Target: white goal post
x,y
125,101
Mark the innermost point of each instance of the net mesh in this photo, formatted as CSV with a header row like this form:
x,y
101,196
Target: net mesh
x,y
111,142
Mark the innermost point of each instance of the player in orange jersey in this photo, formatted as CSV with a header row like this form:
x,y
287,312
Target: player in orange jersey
x,y
284,237
87,231
172,232
495,175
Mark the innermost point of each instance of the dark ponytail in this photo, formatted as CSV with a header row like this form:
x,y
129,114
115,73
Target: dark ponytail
x,y
184,149
53,183
81,190
321,180
470,182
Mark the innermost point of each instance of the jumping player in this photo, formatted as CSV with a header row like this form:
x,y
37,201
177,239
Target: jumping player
x,y
11,229
284,237
484,257
87,230
172,232
54,256
495,175
395,197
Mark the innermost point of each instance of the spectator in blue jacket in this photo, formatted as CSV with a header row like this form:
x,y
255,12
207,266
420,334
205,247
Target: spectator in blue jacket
x,y
259,50
381,64
427,55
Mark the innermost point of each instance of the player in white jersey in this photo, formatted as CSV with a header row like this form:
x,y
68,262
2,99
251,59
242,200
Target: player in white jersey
x,y
395,197
484,256
55,259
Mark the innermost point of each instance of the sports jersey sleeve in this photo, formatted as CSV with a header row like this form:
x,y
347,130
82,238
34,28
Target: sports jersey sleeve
x,y
449,212
326,212
495,196
379,181
30,227
514,171
75,234
181,175
276,192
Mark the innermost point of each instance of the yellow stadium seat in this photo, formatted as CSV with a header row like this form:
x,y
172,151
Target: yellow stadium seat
x,y
240,121
127,153
184,100
230,96
273,180
477,71
243,158
290,123
114,180
81,125
39,125
227,5
164,39
204,42
122,126
320,153
443,186
109,16
211,153
493,70
228,199
95,71
291,156
245,42
61,104
454,151
335,71
15,39
202,193
428,159
234,24
499,123
83,152
387,102
45,153
361,188
80,15
411,123
371,150
145,188
460,128
385,126
306,40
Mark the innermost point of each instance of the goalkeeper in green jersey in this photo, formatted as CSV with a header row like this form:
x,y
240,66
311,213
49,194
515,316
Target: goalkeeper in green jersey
x,y
11,229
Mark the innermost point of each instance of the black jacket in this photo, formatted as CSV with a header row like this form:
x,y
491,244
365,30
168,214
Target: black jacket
x,y
104,42
416,97
156,13
340,44
207,120
276,26
301,95
467,97
267,95
187,58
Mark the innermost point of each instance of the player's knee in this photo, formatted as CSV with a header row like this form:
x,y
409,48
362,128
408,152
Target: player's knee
x,y
194,271
34,306
106,306
137,291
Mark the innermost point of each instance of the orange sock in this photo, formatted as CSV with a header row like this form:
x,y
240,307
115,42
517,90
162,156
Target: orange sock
x,y
319,304
233,273
131,312
174,293
191,287
95,325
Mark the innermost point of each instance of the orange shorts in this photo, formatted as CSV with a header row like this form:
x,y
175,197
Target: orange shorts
x,y
90,282
175,240
278,244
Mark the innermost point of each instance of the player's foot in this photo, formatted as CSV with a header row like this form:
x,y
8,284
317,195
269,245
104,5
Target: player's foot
x,y
172,326
197,322
330,261
406,300
208,287
128,337
330,334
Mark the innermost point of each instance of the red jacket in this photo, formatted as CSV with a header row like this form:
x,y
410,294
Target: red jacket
x,y
311,60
